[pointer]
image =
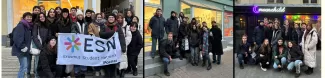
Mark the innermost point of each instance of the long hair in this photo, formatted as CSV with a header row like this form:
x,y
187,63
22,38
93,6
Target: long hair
x,y
265,48
50,49
48,13
38,21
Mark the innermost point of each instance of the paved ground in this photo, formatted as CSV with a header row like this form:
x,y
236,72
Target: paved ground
x,y
10,65
224,70
254,71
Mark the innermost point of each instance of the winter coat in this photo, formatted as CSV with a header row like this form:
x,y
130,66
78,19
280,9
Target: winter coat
x,y
107,32
76,28
194,38
242,48
166,48
276,35
268,33
295,54
53,26
22,36
47,64
258,35
65,27
157,25
206,42
136,44
43,32
309,47
126,33
296,36
216,40
276,52
128,20
286,36
183,30
266,52
172,26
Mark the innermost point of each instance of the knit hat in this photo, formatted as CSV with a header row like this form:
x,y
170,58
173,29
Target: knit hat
x,y
65,10
173,12
79,12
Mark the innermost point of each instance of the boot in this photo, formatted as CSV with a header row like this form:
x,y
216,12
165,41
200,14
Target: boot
x,y
209,67
122,73
167,73
308,71
135,73
297,75
203,64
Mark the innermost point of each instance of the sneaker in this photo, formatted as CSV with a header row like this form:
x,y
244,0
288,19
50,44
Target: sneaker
x,y
297,75
264,69
102,72
97,73
135,73
209,67
167,73
241,66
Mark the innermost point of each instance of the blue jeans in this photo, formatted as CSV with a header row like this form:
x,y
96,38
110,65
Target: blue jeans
x,y
240,58
283,61
296,64
36,59
166,62
80,69
25,65
154,44
194,54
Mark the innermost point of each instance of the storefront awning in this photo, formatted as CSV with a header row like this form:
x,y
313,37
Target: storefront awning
x,y
191,3
282,5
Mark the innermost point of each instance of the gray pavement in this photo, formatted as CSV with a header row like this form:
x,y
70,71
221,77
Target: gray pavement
x,y
254,71
224,70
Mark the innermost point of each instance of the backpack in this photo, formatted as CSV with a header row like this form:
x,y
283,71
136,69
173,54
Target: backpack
x,y
10,36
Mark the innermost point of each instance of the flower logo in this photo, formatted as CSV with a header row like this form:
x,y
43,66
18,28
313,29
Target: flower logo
x,y
72,44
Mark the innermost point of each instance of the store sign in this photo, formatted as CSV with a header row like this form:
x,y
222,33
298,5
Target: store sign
x,y
256,9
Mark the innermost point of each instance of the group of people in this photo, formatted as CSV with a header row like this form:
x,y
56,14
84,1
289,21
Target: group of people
x,y
183,38
282,47
41,28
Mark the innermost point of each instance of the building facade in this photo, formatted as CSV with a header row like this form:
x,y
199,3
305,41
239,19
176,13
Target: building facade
x,y
220,11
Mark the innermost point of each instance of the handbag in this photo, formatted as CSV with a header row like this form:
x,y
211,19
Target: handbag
x,y
123,62
185,45
34,49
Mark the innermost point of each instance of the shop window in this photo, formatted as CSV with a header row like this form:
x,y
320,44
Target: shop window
x,y
20,7
206,15
313,1
71,3
153,1
186,9
149,12
270,1
279,1
305,1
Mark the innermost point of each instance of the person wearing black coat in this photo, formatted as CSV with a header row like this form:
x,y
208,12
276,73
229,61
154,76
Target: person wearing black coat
x,y
173,26
287,31
242,51
194,43
295,57
129,16
268,31
106,32
22,36
40,34
51,22
36,11
166,48
258,35
157,25
134,49
217,49
264,55
183,33
47,63
296,34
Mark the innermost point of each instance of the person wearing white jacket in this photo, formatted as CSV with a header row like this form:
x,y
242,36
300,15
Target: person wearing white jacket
x,y
309,41
128,36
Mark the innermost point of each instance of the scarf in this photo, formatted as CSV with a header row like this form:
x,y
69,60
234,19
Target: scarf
x,y
51,19
205,42
88,19
27,24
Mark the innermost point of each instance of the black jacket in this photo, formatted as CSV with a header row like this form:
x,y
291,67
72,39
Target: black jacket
x,y
296,36
267,52
136,44
276,35
65,27
157,25
43,31
53,26
287,36
268,33
166,48
295,54
108,31
47,63
216,42
22,36
76,29
242,48
183,30
258,34
194,38
172,25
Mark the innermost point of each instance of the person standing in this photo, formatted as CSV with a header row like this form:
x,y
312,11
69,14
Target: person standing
x,y
181,17
22,36
296,34
129,16
276,35
183,37
194,40
258,35
43,9
309,41
52,22
166,47
280,53
217,49
172,26
58,12
157,24
206,46
242,52
264,55
88,17
286,35
106,32
268,31
294,57
47,63
36,11
73,14
134,49
40,34
136,20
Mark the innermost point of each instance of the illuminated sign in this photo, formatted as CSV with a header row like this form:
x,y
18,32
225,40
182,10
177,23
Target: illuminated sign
x,y
256,9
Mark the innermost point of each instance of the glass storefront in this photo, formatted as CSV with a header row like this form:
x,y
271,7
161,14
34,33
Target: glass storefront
x,y
22,6
228,24
149,12
207,15
304,18
186,9
153,1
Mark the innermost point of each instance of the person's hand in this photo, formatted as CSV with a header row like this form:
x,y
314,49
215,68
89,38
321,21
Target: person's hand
x,y
246,54
255,43
170,58
177,45
56,34
211,34
24,49
249,49
276,57
261,55
267,62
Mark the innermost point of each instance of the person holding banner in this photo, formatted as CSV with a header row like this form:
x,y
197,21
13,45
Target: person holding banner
x,y
166,48
134,49
79,27
47,63
107,32
22,37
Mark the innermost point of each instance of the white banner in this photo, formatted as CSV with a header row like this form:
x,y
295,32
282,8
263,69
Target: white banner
x,y
86,50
